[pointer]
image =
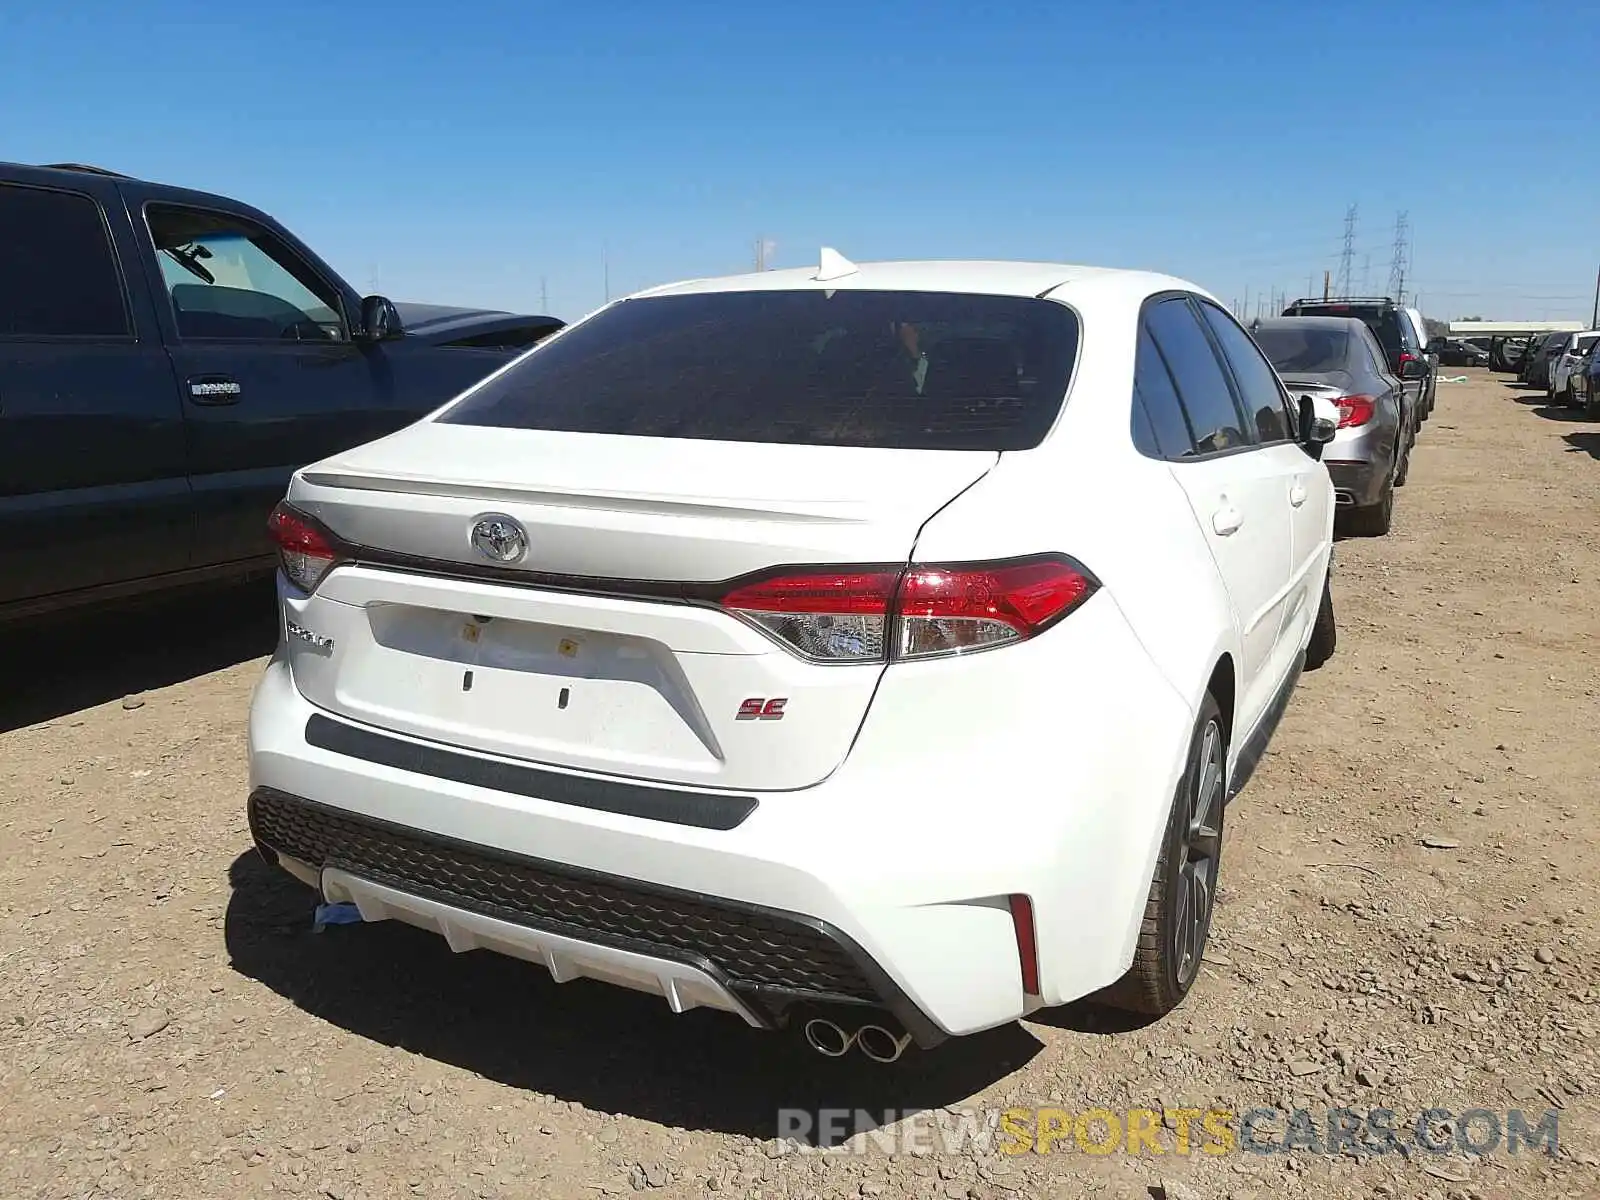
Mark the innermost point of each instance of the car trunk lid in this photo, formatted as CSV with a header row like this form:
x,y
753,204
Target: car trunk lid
x,y
601,648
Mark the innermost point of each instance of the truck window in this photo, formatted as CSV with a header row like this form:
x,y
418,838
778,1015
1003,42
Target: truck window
x,y
58,275
229,279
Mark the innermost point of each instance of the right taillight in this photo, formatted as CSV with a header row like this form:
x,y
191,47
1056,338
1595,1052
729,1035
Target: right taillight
x,y
925,611
305,549
1355,410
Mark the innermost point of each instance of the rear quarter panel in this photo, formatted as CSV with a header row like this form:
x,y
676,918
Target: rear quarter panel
x,y
1088,493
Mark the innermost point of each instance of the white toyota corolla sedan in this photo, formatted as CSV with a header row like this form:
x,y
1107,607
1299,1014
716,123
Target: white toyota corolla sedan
x,y
869,650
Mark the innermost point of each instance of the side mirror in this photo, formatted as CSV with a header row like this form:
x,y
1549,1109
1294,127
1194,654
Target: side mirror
x,y
1319,421
380,320
1413,368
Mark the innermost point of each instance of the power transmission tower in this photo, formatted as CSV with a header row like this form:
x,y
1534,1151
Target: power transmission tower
x,y
761,254
1402,248
1347,256
1366,276
544,296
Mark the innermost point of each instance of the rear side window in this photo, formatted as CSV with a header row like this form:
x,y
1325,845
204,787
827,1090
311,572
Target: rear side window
x,y
1257,382
1164,432
905,370
58,276
1197,373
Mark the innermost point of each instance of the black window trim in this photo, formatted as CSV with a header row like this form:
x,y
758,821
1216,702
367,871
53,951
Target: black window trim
x,y
131,337
249,222
1198,456
1221,352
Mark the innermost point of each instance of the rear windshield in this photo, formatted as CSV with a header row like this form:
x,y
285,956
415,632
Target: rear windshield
x,y
905,370
1304,350
1384,322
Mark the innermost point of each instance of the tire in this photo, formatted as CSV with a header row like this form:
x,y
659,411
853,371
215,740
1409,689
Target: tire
x,y
1324,631
1569,398
1372,520
1591,403
1171,944
1403,467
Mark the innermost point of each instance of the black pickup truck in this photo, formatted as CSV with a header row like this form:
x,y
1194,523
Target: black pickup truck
x,y
167,359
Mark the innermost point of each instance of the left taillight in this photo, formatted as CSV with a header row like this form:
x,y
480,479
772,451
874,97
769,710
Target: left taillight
x,y
306,551
879,614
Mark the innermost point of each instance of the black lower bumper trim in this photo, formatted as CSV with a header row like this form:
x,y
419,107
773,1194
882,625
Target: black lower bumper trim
x,y
702,810
774,961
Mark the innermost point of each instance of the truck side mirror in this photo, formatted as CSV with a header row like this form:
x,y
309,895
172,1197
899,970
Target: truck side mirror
x,y
380,320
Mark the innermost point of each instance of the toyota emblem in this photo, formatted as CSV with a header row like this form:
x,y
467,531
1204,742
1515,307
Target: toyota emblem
x,y
499,538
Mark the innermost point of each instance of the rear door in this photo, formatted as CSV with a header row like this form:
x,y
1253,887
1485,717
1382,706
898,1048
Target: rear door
x,y
260,340
1309,491
92,476
1237,487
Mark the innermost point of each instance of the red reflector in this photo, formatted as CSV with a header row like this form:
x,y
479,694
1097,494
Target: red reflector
x,y
1355,410
1027,943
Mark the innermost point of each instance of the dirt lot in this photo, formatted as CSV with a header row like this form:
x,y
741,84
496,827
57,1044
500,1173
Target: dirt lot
x,y
1408,921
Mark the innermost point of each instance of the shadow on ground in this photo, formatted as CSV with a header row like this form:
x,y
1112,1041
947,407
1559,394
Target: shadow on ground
x,y
65,663
606,1048
1584,443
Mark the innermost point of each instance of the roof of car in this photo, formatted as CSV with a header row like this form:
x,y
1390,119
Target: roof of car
x,y
1309,322
1030,279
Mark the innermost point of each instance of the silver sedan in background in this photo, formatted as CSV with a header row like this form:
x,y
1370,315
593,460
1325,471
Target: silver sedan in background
x,y
1339,358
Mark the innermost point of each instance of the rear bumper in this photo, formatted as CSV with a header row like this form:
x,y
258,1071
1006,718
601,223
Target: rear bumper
x,y
1357,484
885,885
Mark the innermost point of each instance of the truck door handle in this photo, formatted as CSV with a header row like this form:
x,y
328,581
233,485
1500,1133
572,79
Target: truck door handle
x,y
214,389
1297,493
1227,520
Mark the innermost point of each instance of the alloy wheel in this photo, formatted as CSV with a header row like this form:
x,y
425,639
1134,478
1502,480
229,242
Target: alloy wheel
x,y
1202,847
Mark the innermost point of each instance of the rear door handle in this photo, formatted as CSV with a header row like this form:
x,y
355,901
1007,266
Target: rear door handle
x,y
1227,520
1297,493
214,389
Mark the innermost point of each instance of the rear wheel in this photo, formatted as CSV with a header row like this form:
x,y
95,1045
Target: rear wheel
x,y
1183,891
1403,467
1591,402
1373,520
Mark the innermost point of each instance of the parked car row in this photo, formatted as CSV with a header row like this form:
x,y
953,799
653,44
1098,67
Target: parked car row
x,y
1580,379
1563,364
167,359
1370,357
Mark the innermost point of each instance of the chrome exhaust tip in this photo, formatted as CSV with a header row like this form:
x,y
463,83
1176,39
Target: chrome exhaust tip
x,y
880,1044
826,1037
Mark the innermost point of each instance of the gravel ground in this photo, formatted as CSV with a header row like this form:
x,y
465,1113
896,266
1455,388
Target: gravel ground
x,y
1407,921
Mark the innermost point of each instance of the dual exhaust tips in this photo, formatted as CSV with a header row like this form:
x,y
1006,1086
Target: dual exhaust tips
x,y
875,1041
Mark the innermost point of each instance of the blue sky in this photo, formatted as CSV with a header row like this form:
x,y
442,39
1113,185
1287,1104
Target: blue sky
x,y
463,153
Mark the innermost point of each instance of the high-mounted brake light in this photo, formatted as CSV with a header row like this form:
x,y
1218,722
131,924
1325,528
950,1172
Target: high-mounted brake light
x,y
1355,411
305,550
873,614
